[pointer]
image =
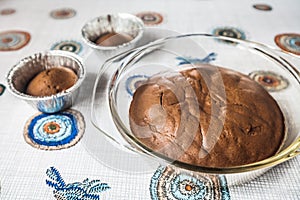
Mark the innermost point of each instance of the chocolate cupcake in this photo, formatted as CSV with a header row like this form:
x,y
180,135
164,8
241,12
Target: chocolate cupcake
x,y
51,81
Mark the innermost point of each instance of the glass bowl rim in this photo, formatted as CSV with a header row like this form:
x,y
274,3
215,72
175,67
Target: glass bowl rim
x,y
285,154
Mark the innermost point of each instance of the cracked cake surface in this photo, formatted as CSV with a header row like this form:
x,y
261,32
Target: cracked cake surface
x,y
207,116
51,81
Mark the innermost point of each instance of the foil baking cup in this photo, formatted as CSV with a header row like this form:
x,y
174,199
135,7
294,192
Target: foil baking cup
x,y
22,73
121,23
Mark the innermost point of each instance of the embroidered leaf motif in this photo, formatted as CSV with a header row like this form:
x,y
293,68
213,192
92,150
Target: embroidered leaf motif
x,y
85,190
55,176
85,181
99,188
51,184
189,60
77,185
69,194
94,182
90,197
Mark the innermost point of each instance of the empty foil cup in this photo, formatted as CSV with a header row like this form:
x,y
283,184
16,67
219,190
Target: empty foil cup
x,y
22,73
121,23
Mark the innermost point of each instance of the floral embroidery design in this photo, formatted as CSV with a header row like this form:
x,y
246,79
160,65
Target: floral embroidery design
x,y
169,183
133,82
150,18
54,131
188,60
269,80
86,190
263,7
68,45
230,32
289,42
13,40
63,13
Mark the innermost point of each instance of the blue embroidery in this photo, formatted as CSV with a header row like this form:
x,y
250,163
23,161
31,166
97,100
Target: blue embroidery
x,y
293,42
133,82
68,45
66,124
230,32
224,188
168,183
188,60
13,40
87,190
288,42
54,131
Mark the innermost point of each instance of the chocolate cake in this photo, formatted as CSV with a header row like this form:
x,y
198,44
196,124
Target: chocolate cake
x,y
207,116
51,81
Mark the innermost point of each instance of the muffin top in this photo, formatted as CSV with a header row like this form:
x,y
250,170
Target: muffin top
x,y
113,39
51,81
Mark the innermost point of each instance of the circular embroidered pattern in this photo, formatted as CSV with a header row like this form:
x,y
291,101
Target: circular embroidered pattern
x,y
13,40
289,42
68,45
263,7
7,11
54,131
169,183
63,13
150,18
133,82
229,32
2,88
51,127
269,80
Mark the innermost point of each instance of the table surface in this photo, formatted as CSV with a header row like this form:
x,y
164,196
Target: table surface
x,y
93,168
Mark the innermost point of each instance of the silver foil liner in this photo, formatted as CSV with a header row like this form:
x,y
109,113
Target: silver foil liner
x,y
22,73
118,23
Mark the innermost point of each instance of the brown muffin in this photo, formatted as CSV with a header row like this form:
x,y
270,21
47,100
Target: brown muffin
x,y
113,39
51,81
207,116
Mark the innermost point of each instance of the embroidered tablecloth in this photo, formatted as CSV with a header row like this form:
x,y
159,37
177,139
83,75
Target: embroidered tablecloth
x,y
86,166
